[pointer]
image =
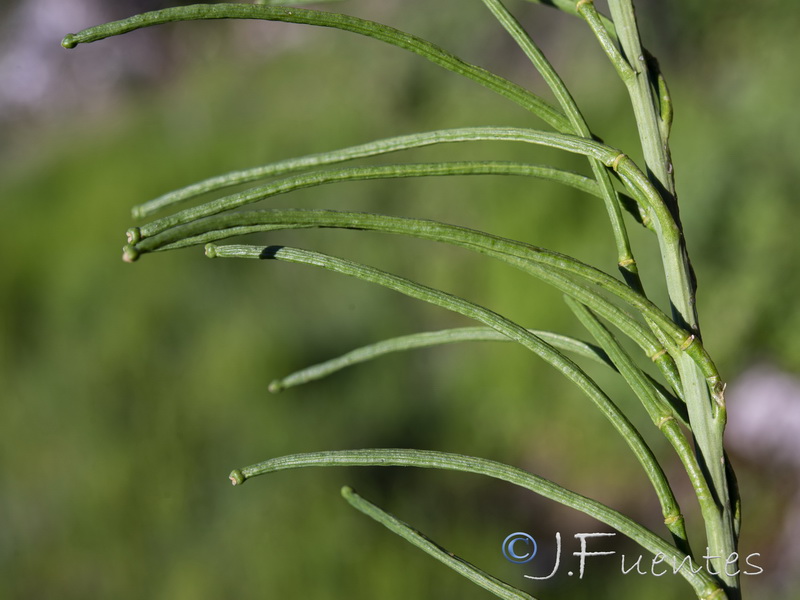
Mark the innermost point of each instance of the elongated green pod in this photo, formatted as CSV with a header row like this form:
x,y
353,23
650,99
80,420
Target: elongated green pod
x,y
380,32
426,340
703,584
491,584
371,149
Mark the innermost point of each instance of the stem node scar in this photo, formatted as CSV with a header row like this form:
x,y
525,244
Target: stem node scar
x,y
658,354
687,343
672,519
581,3
664,420
617,159
626,263
717,387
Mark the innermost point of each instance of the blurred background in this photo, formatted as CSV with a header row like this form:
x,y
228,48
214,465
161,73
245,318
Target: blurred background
x,y
129,392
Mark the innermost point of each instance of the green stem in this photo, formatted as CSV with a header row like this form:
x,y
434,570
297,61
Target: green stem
x,y
706,406
640,88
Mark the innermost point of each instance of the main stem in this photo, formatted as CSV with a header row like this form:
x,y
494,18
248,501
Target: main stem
x,y
706,409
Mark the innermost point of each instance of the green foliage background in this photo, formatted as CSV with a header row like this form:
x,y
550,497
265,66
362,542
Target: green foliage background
x,y
129,392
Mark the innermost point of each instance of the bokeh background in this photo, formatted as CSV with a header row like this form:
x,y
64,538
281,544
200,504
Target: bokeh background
x,y
128,392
